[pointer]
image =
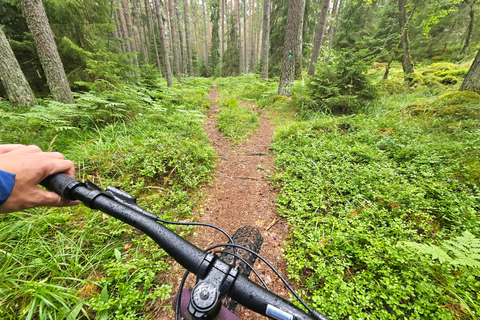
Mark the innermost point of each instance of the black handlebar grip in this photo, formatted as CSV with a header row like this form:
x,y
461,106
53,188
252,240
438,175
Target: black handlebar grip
x,y
62,184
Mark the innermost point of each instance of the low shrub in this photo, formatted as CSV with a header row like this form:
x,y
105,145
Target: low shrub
x,y
342,86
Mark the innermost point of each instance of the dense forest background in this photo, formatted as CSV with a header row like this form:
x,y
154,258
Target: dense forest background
x,y
129,40
377,111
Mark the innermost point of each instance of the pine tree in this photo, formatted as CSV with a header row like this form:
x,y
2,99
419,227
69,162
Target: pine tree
x,y
231,57
11,76
288,62
406,57
163,43
47,50
472,79
214,59
319,36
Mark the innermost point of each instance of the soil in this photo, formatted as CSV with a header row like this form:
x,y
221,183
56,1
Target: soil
x,y
241,194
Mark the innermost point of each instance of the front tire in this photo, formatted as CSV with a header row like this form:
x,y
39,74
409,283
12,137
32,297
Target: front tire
x,y
251,238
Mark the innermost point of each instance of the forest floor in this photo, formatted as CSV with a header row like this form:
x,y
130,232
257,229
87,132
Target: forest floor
x,y
240,195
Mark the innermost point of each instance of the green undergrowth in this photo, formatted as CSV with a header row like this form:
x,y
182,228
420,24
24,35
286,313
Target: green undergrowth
x,y
236,121
76,263
354,189
383,204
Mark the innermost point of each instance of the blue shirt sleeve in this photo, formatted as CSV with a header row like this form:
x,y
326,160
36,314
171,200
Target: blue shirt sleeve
x,y
7,180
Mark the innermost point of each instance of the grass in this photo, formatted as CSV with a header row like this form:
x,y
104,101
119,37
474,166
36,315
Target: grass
x,y
75,263
237,122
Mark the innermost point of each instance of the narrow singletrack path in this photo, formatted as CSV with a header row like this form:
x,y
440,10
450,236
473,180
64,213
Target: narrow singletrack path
x,y
240,195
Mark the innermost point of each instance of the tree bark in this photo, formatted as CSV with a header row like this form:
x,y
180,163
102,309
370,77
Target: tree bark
x,y
470,28
472,79
11,75
237,11
245,43
140,33
175,46
123,28
288,62
151,30
187,38
118,24
319,36
407,63
37,22
131,35
265,38
299,46
333,23
222,39
163,43
183,64
205,33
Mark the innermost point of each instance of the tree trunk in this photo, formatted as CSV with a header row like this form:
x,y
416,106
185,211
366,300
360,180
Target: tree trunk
x,y
299,46
222,19
237,11
407,57
187,38
333,23
472,79
205,33
13,80
123,28
265,38
175,45
319,35
183,64
151,30
245,43
140,33
288,62
119,30
166,62
197,33
37,22
131,36
145,32
470,28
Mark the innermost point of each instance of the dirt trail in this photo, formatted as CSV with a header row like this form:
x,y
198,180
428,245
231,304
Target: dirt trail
x,y
242,195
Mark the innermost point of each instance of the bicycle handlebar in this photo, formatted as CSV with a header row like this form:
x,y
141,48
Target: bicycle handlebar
x,y
244,291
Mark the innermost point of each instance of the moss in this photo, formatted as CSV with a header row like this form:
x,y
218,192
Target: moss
x,y
454,73
437,58
458,97
418,109
417,78
431,78
393,87
443,66
429,71
459,112
449,80
470,172
435,87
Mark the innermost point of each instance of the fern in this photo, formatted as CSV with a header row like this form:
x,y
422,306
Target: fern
x,y
462,251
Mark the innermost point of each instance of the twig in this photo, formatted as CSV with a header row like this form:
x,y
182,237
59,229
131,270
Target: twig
x,y
246,178
271,224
